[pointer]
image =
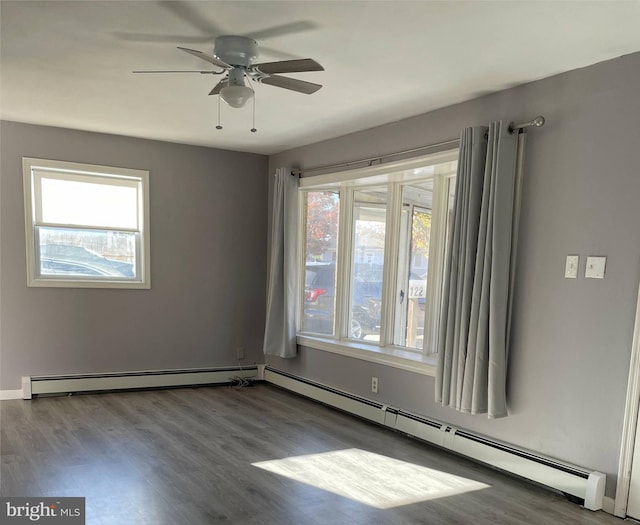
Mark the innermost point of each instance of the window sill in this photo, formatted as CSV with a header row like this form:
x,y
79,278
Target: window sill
x,y
394,357
86,283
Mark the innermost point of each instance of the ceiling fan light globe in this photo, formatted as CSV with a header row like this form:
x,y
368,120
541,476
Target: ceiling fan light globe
x,y
236,96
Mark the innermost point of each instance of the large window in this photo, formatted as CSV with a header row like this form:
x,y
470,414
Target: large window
x,y
86,226
373,248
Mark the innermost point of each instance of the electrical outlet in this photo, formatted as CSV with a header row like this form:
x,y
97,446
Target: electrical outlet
x,y
374,385
240,352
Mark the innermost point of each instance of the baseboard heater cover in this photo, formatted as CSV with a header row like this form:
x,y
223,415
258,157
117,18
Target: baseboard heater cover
x,y
66,384
584,485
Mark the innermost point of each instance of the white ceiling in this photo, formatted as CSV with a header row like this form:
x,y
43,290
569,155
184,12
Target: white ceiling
x,y
69,64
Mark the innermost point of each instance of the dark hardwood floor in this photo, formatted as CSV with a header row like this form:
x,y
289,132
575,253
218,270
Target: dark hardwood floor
x,y
185,456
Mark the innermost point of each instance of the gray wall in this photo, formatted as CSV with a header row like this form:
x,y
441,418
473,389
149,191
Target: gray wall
x,y
208,244
571,344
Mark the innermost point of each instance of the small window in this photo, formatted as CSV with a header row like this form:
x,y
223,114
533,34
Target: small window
x,y
86,226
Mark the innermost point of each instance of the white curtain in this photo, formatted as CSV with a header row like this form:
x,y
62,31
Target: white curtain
x,y
280,327
472,351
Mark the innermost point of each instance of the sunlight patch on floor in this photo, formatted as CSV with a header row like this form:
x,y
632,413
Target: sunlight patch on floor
x,y
369,478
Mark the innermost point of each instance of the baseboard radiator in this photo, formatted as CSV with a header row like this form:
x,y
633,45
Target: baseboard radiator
x,y
33,386
580,485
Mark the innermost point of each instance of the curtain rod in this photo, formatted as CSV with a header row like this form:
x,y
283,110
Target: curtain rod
x,y
536,122
379,158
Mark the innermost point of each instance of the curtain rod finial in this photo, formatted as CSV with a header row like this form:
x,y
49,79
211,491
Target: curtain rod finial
x,y
536,122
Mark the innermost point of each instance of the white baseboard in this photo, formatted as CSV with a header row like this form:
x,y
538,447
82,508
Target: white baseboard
x,y
145,379
10,394
584,484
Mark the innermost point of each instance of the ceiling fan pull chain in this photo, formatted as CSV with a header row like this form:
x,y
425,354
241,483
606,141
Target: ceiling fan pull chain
x,y
218,126
253,129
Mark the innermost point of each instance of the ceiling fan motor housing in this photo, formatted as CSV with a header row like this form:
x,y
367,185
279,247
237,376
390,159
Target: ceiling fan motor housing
x,y
236,77
236,50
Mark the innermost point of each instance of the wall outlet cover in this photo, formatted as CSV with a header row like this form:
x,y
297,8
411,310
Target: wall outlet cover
x,y
571,267
595,267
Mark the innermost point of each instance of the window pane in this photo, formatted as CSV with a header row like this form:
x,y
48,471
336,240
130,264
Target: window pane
x,y
413,265
322,210
367,263
89,204
87,253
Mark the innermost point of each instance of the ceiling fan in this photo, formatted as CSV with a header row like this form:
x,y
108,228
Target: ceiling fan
x,y
236,56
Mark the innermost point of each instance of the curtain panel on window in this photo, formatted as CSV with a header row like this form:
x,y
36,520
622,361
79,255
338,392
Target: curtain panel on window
x,y
280,325
473,344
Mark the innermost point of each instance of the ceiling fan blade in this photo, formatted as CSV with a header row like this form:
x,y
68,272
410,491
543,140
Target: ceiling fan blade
x,y
181,71
291,83
216,90
289,66
276,53
204,56
284,29
144,37
190,15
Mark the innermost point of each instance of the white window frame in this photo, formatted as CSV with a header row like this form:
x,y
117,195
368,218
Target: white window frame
x,y
395,176
33,169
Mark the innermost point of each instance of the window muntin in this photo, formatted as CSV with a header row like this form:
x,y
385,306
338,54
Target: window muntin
x,y
408,258
86,226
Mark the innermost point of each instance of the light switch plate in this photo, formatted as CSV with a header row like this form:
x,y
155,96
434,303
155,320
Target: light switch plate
x,y
571,267
595,267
